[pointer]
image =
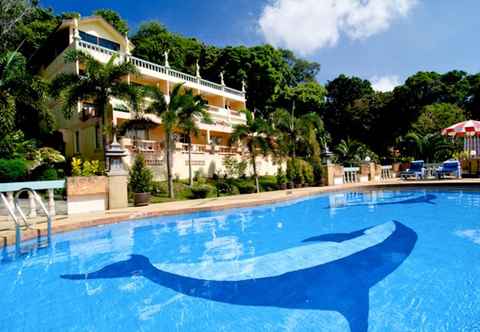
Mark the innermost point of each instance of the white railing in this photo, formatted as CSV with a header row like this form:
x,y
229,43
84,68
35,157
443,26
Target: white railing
x,y
196,148
227,150
387,172
235,92
163,70
148,65
351,174
96,48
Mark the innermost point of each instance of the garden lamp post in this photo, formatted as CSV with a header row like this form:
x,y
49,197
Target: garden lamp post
x,y
117,176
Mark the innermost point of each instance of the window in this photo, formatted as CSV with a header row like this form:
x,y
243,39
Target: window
x,y
141,134
77,141
183,139
99,41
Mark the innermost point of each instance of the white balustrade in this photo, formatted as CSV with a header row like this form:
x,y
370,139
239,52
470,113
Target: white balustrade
x,y
162,69
351,175
387,172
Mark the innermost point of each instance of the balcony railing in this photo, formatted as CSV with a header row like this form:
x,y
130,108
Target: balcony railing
x,y
162,69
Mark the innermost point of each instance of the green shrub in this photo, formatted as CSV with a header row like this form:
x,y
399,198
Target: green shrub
x,y
91,168
291,170
141,177
48,174
317,169
201,191
76,167
307,172
159,188
281,177
246,187
235,168
87,167
13,170
268,183
226,187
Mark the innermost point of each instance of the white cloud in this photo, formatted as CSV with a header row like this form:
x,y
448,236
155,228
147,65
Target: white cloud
x,y
385,83
308,25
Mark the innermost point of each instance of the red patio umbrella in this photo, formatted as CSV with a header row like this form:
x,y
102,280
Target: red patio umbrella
x,y
461,129
470,131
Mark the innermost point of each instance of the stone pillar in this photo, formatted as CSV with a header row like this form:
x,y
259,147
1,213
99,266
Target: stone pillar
x,y
117,177
365,172
373,172
329,175
117,190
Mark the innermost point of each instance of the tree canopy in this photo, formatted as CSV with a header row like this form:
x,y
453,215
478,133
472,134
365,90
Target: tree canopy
x,y
352,112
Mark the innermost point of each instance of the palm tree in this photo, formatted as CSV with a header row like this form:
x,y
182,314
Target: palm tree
x,y
196,109
169,114
351,152
99,83
301,131
429,147
256,136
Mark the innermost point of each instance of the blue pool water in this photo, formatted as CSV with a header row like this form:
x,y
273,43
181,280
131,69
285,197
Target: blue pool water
x,y
406,260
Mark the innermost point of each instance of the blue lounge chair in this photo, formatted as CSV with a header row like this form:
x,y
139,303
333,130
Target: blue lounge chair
x,y
416,170
450,167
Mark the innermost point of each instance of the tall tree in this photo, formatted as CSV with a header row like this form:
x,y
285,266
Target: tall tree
x,y
303,71
308,97
98,83
194,111
113,18
342,93
152,39
302,131
436,117
169,113
256,136
22,103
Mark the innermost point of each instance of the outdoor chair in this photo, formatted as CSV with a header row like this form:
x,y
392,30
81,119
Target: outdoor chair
x,y
416,170
450,168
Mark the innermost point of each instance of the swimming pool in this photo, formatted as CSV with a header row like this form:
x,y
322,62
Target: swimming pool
x,y
385,260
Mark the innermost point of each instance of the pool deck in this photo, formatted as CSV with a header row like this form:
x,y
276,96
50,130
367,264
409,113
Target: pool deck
x,y
64,223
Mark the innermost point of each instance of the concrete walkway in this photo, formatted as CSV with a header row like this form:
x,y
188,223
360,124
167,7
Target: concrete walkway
x,y
64,223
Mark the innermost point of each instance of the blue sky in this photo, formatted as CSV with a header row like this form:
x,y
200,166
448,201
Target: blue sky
x,y
381,40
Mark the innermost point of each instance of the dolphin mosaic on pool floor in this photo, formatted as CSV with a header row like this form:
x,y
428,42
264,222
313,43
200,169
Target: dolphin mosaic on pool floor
x,y
328,272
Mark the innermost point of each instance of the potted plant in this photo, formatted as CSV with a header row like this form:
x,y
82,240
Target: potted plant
x,y
141,181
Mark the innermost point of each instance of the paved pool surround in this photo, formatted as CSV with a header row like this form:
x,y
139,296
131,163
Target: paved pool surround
x,y
69,223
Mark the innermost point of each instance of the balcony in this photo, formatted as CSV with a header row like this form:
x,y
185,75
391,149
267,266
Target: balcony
x,y
162,72
153,151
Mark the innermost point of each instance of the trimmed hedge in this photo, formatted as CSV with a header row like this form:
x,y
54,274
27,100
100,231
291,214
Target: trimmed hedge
x,y
268,183
246,187
201,191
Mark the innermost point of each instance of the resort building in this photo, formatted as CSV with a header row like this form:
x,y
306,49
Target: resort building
x,y
82,133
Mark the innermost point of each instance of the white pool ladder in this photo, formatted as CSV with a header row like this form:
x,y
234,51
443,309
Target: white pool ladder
x,y
15,207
